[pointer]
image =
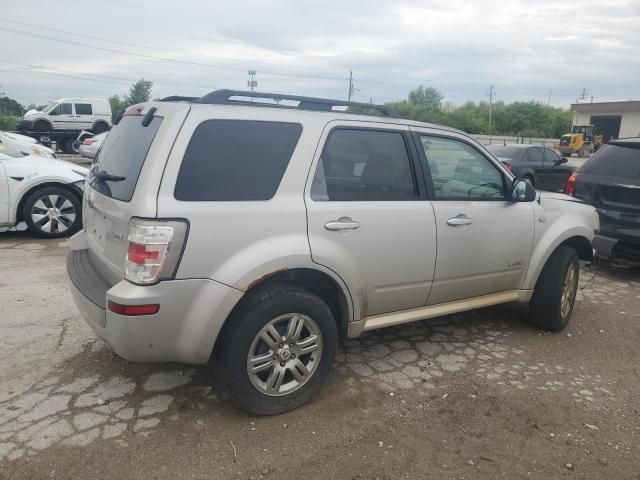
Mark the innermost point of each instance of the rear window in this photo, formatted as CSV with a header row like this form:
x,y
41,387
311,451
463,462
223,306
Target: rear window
x,y
236,160
122,155
614,161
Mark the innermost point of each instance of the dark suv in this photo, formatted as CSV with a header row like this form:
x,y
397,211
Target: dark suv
x,y
610,181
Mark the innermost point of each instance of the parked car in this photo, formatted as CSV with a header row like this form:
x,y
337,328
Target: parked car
x,y
610,181
540,166
251,236
70,114
45,193
90,145
16,145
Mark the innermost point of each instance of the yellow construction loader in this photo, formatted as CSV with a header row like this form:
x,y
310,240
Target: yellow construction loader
x,y
582,140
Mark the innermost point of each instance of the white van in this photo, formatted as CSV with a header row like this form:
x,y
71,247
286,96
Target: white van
x,y
70,114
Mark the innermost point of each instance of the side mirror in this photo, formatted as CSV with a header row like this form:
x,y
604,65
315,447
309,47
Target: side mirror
x,y
522,191
560,161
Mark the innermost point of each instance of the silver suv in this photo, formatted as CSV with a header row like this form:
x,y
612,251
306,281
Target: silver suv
x,y
251,232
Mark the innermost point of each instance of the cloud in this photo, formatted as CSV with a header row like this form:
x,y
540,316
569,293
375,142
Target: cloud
x,y
524,48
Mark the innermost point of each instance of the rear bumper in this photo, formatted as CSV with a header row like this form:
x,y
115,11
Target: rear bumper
x,y
185,328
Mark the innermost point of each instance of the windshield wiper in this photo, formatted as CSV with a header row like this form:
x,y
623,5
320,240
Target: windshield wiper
x,y
106,176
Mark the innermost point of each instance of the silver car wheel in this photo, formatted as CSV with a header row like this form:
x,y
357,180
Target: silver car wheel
x,y
53,213
569,287
284,355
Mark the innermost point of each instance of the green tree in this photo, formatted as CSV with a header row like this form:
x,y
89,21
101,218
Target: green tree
x,y
428,97
139,92
117,105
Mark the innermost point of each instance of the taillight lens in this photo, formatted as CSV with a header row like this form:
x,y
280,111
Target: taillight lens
x,y
571,184
133,310
153,249
89,141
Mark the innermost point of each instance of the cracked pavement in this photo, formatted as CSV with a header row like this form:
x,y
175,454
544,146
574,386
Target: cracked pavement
x,y
474,395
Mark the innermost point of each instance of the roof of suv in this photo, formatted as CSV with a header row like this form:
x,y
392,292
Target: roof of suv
x,y
633,142
308,104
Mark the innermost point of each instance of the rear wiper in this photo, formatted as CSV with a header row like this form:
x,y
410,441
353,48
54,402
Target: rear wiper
x,y
102,175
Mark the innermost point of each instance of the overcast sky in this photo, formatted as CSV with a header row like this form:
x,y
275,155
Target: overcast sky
x,y
524,47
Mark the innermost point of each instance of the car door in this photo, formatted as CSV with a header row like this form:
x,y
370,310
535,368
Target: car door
x,y
62,117
368,216
556,173
4,194
484,241
83,115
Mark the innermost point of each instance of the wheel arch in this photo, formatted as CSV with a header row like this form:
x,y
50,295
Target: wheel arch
x,y
322,284
43,120
576,238
45,184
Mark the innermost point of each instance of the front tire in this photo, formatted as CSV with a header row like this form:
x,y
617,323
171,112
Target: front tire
x,y
52,212
555,292
42,126
277,350
72,146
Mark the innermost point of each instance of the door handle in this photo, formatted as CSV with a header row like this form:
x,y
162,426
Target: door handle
x,y
343,223
461,219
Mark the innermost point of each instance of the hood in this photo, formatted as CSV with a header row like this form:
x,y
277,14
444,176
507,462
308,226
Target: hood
x,y
36,161
558,198
20,138
32,112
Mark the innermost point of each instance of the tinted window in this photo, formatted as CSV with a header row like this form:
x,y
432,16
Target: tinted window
x,y
83,109
65,109
614,161
534,155
122,154
514,153
231,160
460,172
364,165
550,155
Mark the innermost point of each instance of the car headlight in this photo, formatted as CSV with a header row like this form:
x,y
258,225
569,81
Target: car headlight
x,y
40,152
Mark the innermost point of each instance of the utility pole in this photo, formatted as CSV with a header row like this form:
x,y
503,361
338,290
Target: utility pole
x,y
350,85
492,92
252,83
549,99
584,94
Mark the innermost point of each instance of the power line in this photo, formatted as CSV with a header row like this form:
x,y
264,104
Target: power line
x,y
202,55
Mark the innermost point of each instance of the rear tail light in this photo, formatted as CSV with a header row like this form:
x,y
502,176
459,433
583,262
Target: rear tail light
x,y
153,250
89,141
508,166
571,184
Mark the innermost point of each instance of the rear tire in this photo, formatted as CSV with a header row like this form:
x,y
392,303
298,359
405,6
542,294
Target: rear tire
x,y
584,151
294,367
555,292
71,146
100,127
52,212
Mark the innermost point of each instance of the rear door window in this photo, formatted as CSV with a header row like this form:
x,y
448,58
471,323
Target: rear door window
x,y
236,160
614,161
83,109
535,155
550,156
122,155
364,165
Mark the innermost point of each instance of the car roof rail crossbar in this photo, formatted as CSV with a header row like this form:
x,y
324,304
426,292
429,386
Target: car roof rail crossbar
x,y
280,100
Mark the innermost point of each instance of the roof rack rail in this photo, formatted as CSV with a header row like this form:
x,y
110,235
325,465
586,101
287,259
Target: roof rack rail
x,y
179,98
225,97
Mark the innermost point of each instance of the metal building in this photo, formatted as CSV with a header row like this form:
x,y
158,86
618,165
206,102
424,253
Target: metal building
x,y
611,119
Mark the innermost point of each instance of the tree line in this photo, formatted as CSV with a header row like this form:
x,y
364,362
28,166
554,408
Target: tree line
x,y
526,119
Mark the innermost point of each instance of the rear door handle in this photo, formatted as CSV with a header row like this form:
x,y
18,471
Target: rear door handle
x,y
343,223
461,219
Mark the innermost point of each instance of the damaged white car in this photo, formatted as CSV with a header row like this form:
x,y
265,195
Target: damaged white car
x,y
45,193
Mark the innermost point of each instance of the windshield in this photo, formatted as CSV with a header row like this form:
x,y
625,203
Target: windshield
x,y
120,159
49,107
506,151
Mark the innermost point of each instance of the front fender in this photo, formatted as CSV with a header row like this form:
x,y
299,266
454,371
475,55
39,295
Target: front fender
x,y
562,229
19,190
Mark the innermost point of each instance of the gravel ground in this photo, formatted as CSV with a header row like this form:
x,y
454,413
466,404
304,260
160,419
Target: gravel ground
x,y
474,395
